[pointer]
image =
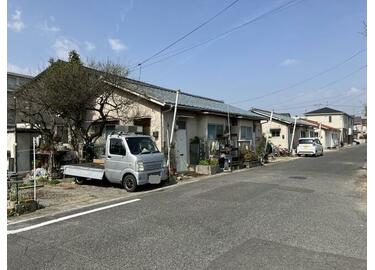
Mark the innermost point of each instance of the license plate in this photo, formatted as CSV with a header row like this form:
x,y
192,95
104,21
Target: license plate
x,y
154,178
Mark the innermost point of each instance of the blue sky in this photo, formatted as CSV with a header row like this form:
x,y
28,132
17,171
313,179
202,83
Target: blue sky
x,y
270,54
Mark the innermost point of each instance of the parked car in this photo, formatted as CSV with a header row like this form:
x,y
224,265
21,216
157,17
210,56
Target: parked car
x,y
130,160
309,146
356,142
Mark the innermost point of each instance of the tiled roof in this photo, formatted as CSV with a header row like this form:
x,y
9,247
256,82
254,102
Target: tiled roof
x,y
317,124
185,100
283,117
164,96
325,110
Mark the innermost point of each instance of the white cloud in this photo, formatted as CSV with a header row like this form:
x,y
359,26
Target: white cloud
x,y
21,70
62,47
17,15
289,62
117,45
16,23
89,46
49,28
353,91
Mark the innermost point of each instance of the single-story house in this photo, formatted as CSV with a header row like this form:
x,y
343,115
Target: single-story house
x,y
203,126
279,130
329,136
198,119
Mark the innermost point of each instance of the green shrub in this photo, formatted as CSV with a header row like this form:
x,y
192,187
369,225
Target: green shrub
x,y
54,182
208,162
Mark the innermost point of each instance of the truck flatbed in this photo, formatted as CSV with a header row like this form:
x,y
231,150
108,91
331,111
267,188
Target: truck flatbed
x,y
85,170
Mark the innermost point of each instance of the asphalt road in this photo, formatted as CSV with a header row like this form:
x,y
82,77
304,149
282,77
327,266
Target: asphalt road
x,y
302,214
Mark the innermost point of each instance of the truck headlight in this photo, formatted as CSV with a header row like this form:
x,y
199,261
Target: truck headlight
x,y
139,166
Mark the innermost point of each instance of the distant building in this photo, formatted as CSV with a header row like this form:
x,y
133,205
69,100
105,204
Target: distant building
x,y
328,136
280,129
19,136
359,128
336,119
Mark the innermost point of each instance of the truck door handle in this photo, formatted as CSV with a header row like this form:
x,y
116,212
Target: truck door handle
x,y
181,154
109,156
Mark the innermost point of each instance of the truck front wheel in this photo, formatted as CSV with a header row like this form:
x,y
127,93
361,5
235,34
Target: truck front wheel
x,y
129,183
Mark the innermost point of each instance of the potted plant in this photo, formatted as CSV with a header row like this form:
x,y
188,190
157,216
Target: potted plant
x,y
207,166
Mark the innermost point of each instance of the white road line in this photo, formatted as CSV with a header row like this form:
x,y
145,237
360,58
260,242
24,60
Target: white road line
x,y
69,217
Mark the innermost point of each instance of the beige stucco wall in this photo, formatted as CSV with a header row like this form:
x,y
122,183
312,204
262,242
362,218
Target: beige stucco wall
x,y
283,140
139,108
338,121
342,122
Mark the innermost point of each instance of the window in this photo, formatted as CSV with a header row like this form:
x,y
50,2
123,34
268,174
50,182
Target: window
x,y
246,133
330,119
317,141
181,124
312,133
141,145
316,134
116,147
215,131
275,132
303,134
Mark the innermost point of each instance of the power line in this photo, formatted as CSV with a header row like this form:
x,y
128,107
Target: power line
x,y
303,81
329,84
189,33
270,12
319,104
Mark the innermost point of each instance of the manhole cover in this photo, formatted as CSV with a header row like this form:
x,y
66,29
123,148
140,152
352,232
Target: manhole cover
x,y
298,177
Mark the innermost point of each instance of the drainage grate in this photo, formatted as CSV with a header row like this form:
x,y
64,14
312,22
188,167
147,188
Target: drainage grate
x,y
298,177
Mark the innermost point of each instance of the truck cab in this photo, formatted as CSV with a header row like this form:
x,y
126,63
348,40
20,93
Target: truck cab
x,y
133,160
130,160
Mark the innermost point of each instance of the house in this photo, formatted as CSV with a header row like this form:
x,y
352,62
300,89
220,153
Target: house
x,y
360,128
329,136
336,119
203,126
279,130
198,118
19,136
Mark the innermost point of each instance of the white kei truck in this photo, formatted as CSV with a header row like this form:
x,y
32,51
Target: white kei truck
x,y
130,160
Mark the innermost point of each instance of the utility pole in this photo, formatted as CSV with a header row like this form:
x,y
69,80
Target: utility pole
x,y
265,147
34,143
228,124
294,131
172,130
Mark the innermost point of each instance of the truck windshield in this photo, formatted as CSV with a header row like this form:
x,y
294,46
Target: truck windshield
x,y
141,145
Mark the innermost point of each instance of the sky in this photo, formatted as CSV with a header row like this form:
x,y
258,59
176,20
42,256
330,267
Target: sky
x,y
259,65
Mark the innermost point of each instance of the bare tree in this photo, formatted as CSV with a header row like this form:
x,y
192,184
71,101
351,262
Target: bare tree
x,y
82,98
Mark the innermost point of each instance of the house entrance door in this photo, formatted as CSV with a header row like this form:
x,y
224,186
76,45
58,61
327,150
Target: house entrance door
x,y
181,150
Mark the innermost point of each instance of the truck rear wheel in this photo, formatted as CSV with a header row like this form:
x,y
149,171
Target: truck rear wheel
x,y
129,183
79,180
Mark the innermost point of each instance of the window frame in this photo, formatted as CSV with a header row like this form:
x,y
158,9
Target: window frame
x,y
275,129
215,126
249,132
118,153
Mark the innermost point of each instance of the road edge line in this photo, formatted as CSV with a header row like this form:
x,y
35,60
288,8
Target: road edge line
x,y
69,217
